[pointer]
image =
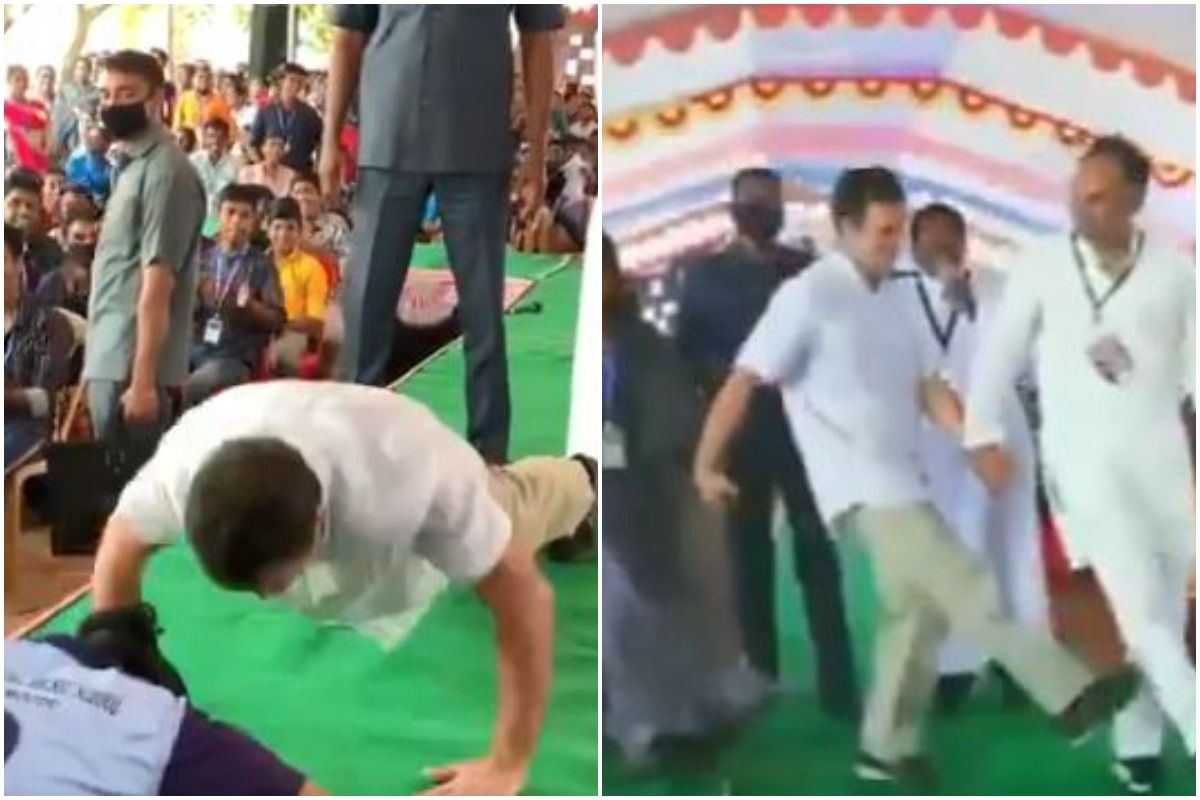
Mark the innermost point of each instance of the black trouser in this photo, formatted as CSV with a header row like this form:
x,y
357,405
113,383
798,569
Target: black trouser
x,y
765,461
387,214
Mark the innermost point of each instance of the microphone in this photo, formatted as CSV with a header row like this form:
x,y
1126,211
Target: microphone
x,y
529,308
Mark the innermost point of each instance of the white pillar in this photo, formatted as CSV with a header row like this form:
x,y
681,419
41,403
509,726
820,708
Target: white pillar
x,y
584,423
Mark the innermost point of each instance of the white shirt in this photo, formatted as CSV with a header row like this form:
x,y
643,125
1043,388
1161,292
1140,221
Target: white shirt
x,y
406,500
847,360
1100,440
215,177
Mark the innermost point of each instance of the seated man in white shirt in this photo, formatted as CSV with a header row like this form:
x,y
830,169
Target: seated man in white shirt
x,y
216,165
355,503
839,342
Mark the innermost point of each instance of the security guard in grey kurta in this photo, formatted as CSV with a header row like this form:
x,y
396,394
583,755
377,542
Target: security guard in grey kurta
x,y
435,93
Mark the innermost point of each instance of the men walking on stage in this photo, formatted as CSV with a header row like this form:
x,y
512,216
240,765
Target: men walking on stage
x,y
951,307
1109,315
434,89
724,295
837,340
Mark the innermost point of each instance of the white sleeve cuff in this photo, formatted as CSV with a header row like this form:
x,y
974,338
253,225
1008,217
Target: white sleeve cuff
x,y
39,402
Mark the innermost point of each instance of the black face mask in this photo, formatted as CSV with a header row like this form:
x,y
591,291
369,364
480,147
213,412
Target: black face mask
x,y
124,121
758,222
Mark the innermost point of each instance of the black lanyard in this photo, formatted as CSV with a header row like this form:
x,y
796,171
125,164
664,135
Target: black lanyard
x,y
943,335
1099,301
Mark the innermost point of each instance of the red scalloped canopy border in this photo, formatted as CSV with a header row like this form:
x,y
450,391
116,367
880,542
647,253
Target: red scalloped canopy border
x,y
677,32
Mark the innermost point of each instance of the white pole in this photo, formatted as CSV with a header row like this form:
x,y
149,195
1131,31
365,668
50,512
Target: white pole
x,y
584,423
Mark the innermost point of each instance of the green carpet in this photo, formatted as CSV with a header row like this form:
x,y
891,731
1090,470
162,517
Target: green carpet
x,y
328,700
792,749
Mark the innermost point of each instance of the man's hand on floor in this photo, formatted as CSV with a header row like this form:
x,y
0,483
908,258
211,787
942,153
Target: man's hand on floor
x,y
480,776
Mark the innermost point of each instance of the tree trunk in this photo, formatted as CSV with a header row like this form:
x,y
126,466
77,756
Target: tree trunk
x,y
85,15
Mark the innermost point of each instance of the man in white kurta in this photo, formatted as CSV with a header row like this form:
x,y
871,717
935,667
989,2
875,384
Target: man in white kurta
x,y
1110,316
951,307
400,505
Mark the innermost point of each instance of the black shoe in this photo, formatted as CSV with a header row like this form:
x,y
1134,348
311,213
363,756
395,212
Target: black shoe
x,y
1097,704
580,545
1139,775
953,690
916,774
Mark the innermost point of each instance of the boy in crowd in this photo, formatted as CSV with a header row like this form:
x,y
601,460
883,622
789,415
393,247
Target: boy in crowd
x,y
239,306
304,285
23,211
271,172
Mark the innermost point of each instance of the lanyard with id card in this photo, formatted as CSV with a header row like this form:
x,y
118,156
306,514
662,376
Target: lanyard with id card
x,y
1106,352
214,327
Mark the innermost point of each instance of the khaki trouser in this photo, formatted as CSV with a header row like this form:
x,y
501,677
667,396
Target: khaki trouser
x,y
545,497
929,584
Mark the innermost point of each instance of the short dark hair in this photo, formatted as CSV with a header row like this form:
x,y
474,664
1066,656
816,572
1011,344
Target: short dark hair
x,y
751,174
947,212
253,503
80,214
136,62
306,176
240,193
14,240
1134,163
22,179
55,169
76,188
857,189
160,55
216,124
290,68
285,209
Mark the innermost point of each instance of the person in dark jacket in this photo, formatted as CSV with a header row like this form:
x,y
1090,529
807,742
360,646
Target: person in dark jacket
x,y
723,295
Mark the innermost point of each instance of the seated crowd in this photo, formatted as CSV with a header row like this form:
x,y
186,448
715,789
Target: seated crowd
x,y
274,249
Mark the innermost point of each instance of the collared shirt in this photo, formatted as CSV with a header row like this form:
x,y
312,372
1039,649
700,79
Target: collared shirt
x,y
848,363
230,271
215,176
194,110
304,285
724,294
435,88
299,127
406,500
153,217
1046,310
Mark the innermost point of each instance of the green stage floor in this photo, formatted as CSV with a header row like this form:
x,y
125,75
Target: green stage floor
x,y
793,749
328,700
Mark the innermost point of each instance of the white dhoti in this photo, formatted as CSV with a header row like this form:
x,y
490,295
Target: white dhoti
x,y
1001,532
1120,475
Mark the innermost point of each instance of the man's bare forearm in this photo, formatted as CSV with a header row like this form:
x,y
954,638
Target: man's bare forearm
x,y
153,325
725,418
345,61
523,604
120,561
537,68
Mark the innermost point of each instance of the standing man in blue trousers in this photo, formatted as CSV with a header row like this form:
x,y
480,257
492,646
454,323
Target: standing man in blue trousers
x,y
434,87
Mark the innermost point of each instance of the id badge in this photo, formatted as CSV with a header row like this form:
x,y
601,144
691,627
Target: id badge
x,y
1110,357
613,455
212,331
